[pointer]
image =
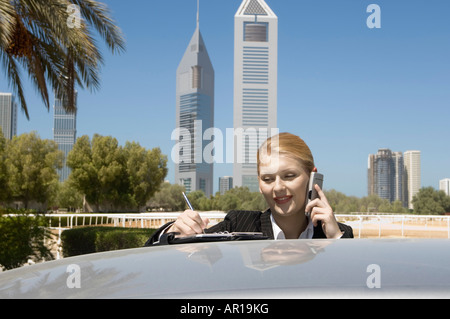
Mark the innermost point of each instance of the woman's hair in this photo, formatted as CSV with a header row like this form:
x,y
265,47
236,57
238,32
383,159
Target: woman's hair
x,y
290,145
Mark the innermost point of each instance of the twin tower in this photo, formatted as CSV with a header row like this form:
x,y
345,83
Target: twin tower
x,y
255,102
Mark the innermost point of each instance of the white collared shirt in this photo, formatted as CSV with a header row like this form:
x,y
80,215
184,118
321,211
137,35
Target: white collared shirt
x,y
279,234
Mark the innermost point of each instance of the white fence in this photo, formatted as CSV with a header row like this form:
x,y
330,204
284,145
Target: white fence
x,y
144,220
364,225
384,225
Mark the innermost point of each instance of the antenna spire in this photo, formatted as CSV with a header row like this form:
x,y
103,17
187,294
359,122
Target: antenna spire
x,y
198,13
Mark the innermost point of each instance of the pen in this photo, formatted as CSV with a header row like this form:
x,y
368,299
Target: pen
x,y
189,204
187,201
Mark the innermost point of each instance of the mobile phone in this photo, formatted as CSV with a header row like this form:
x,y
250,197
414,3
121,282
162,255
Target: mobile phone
x,y
315,178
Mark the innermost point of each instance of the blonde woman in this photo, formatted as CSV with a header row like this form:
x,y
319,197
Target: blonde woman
x,y
284,165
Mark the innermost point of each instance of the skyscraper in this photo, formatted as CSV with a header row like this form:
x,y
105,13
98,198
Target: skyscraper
x,y
194,115
398,167
412,174
255,86
225,184
444,185
64,133
385,175
8,115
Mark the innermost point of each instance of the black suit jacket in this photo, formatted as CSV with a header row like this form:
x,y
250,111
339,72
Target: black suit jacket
x,y
251,221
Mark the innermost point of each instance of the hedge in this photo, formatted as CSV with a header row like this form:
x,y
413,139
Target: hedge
x,y
87,240
22,237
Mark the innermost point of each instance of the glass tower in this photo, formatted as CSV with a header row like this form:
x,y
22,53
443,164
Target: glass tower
x,y
64,133
386,175
194,116
8,115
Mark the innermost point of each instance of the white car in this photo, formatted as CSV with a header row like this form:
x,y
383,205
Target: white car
x,y
360,268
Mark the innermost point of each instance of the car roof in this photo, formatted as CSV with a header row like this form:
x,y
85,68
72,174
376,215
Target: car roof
x,y
361,268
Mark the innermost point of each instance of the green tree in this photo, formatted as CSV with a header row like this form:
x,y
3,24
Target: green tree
x,y
431,201
240,198
109,158
68,196
146,170
98,170
3,178
198,200
169,197
84,175
52,40
108,174
31,166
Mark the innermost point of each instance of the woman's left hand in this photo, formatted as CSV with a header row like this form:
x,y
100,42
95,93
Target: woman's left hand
x,y
320,210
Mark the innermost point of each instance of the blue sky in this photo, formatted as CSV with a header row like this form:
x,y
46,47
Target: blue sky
x,y
347,90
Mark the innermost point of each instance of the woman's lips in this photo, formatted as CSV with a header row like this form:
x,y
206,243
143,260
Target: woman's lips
x,y
282,199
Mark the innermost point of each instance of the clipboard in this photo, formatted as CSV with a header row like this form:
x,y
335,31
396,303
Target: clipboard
x,y
170,239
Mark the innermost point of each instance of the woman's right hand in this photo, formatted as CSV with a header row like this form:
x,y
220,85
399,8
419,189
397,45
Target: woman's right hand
x,y
189,223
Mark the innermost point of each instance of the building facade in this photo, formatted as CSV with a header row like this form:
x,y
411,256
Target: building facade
x,y
385,175
255,86
194,116
64,133
225,184
8,115
412,175
444,185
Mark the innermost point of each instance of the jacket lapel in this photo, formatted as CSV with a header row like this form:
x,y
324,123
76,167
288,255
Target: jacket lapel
x,y
266,224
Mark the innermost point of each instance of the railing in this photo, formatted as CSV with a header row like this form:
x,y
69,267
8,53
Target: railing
x,y
144,220
389,225
364,225
384,224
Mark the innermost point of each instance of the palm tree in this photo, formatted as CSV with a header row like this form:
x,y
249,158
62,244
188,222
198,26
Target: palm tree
x,y
39,37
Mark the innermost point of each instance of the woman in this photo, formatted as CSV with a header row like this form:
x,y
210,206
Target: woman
x,y
284,165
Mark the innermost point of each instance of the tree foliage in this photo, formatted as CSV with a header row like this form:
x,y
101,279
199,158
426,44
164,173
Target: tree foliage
x,y
4,192
31,165
109,174
430,201
68,196
170,198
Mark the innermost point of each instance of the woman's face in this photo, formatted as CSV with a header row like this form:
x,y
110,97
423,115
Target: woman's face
x,y
283,181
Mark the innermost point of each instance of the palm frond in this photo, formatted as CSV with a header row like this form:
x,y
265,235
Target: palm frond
x,y
13,75
98,14
35,33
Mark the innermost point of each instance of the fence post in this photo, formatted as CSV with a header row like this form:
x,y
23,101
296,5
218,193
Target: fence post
x,y
379,227
448,226
403,219
360,226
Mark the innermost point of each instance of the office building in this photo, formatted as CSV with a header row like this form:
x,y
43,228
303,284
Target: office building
x,y
255,86
381,174
225,184
194,115
412,175
8,115
64,133
444,185
385,175
398,171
